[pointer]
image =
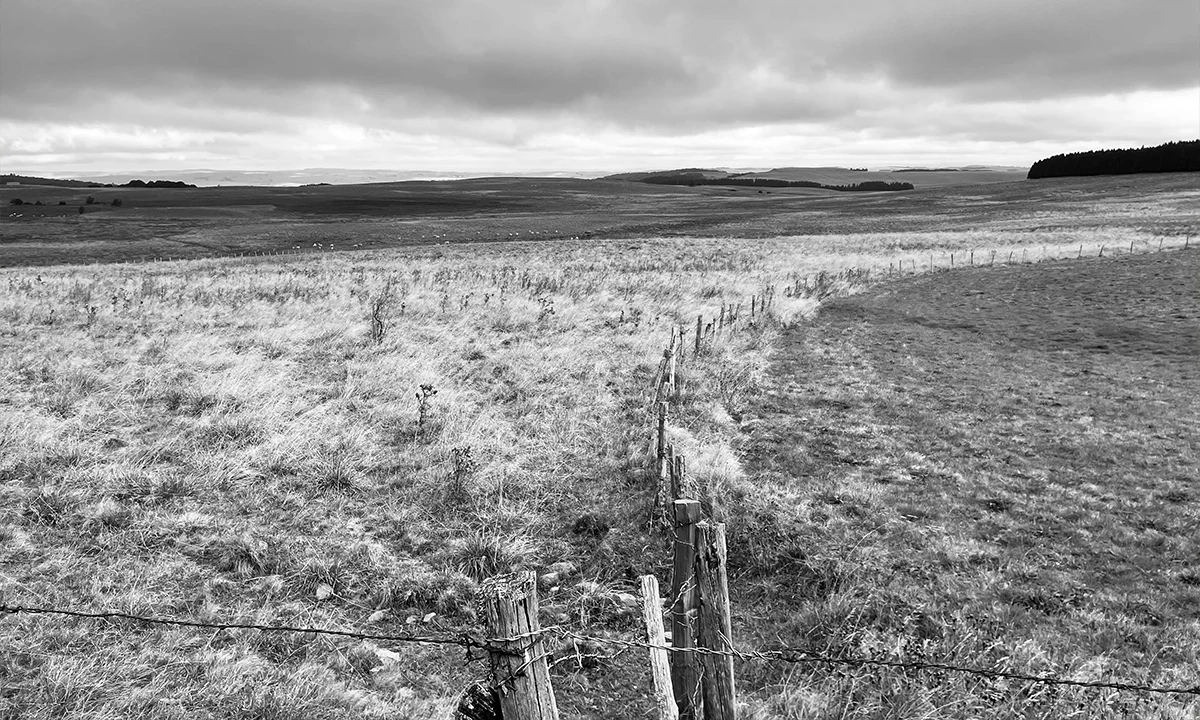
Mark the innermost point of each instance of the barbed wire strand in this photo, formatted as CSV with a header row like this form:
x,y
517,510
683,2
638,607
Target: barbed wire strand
x,y
504,645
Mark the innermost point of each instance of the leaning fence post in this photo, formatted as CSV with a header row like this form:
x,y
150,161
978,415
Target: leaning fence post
x,y
685,671
519,667
716,632
660,671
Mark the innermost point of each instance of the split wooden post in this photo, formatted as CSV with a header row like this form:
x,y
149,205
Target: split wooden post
x,y
660,669
519,667
716,632
685,671
699,325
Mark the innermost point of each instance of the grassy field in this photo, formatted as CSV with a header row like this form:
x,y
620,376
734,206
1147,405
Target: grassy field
x,y
917,472
992,467
230,222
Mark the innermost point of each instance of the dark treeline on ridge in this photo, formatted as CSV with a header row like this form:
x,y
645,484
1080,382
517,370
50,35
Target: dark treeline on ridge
x,y
1170,157
691,179
54,182
157,184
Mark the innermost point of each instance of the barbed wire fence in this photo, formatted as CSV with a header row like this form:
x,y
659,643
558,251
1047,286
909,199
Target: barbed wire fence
x,y
473,640
524,652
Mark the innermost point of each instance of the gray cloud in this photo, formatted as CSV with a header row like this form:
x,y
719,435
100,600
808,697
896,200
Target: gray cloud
x,y
507,72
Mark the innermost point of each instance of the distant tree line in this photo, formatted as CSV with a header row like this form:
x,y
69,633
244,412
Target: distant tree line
x,y
692,179
29,180
157,184
1169,157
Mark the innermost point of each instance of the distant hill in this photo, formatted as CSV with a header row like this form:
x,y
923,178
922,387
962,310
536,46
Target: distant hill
x,y
1169,157
50,182
837,176
55,182
698,176
312,176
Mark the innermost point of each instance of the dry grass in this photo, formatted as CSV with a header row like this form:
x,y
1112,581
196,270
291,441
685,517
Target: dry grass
x,y
247,439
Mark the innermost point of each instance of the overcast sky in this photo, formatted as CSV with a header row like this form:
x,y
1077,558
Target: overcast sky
x,y
523,86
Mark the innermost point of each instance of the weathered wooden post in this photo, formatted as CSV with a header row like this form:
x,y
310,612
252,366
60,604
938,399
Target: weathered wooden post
x,y
685,671
699,324
660,376
519,667
716,632
661,443
660,669
677,475
674,351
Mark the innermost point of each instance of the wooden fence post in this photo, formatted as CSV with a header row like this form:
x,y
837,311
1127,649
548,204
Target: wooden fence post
x,y
519,667
699,323
674,350
660,670
661,441
685,671
660,377
716,632
677,472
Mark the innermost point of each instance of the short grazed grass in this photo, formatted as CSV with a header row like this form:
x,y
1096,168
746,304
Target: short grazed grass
x,y
991,468
241,440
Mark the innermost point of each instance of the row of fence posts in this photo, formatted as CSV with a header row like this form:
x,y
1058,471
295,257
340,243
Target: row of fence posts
x,y
691,668
690,657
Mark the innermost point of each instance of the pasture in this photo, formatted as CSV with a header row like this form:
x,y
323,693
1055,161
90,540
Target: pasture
x,y
991,465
